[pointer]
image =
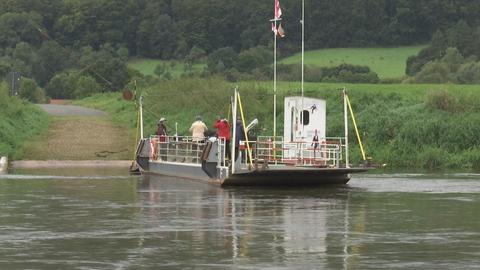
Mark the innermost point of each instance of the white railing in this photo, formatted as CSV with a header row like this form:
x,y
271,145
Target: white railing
x,y
184,149
326,153
176,149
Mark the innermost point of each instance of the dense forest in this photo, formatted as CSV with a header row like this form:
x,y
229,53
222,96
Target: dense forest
x,y
72,48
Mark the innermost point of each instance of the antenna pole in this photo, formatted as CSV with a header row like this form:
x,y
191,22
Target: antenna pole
x,y
141,117
303,62
346,126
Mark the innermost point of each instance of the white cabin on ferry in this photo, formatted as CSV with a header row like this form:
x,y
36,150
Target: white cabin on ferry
x,y
302,116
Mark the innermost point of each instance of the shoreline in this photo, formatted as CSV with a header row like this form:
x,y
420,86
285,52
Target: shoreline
x,y
39,164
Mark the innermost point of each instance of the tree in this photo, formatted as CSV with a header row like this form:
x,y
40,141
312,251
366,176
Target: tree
x,y
196,54
157,37
224,56
51,58
62,85
105,66
30,91
86,86
253,58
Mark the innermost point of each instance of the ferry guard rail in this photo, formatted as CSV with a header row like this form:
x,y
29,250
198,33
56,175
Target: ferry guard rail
x,y
327,153
269,150
183,149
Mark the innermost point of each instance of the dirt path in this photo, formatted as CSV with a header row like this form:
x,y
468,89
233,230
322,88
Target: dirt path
x,y
70,110
78,133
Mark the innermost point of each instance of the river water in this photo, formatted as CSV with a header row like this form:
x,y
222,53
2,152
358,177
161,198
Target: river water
x,y
110,220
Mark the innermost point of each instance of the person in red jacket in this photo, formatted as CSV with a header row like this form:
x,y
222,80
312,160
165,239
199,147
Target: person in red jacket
x,y
223,131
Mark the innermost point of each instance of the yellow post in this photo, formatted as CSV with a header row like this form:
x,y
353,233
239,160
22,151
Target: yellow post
x,y
356,129
245,131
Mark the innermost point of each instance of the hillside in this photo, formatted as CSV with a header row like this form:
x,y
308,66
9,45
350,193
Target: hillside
x,y
386,62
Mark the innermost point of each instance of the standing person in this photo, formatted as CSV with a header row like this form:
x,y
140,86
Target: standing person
x,y
223,131
239,136
198,130
315,144
162,129
162,137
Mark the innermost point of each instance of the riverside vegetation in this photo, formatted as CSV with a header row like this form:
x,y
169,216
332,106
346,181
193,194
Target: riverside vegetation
x,y
405,126
20,121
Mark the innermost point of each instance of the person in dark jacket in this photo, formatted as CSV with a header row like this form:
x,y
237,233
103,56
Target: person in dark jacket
x,y
162,129
239,136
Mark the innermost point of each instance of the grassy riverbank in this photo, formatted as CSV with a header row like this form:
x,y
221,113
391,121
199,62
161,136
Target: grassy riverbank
x,y
20,121
405,126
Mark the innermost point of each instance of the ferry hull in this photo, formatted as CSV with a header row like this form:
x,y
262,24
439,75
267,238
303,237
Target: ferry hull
x,y
189,171
268,177
289,178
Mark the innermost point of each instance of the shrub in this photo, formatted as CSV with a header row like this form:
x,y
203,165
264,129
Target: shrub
x,y
432,158
86,86
61,86
30,91
441,100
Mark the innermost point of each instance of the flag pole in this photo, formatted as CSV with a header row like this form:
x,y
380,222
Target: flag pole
x,y
276,18
275,82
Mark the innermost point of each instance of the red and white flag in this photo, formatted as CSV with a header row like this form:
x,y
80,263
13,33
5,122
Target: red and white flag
x,y
274,29
280,31
278,10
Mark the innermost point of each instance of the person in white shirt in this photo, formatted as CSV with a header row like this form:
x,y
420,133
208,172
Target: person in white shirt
x,y
198,130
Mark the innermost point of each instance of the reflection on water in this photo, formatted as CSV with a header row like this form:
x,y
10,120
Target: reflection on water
x,y
94,220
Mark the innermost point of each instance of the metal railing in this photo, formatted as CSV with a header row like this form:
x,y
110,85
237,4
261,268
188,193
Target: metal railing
x,y
176,149
327,152
184,149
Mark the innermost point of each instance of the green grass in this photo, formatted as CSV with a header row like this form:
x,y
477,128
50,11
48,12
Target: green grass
x,y
20,121
386,62
176,68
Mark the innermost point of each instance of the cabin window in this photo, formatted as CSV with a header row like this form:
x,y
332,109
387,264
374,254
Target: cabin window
x,y
305,118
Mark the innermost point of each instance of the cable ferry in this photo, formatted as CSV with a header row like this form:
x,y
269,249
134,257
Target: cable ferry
x,y
291,159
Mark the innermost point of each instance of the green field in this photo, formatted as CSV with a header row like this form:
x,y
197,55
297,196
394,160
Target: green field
x,y
386,62
147,66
